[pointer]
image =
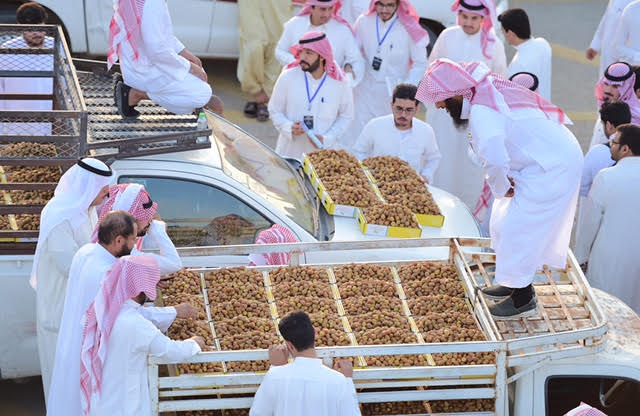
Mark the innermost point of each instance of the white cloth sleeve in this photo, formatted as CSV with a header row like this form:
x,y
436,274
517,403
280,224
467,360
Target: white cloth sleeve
x,y
177,45
162,318
345,117
348,399
264,401
278,107
174,351
62,246
418,61
168,260
161,54
431,156
496,164
622,35
363,147
596,42
592,213
354,58
282,48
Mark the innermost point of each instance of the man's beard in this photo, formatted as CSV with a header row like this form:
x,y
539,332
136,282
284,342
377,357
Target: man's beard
x,y
454,108
310,67
143,232
406,122
124,251
608,98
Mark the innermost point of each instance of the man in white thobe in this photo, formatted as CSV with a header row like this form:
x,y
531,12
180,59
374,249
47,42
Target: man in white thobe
x,y
32,14
305,386
532,164
607,239
311,100
627,39
617,84
117,341
66,224
352,9
116,237
603,40
324,16
394,46
533,54
155,64
402,135
472,40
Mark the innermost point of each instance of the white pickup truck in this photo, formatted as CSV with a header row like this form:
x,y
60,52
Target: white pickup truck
x,y
207,27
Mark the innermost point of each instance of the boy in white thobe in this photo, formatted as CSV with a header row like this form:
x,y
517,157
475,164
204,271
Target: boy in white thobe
x,y
118,362
305,386
534,54
617,84
311,90
627,39
402,135
607,239
154,63
394,46
472,40
603,40
323,16
532,164
66,223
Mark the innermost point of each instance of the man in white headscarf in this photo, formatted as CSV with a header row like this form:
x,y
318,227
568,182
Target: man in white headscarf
x,y
532,163
473,39
66,224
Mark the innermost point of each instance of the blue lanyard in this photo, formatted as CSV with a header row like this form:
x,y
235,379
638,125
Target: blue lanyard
x,y
381,41
309,97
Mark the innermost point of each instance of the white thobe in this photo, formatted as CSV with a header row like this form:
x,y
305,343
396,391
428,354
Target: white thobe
x,y
159,70
534,55
125,385
599,136
55,260
305,387
627,39
603,39
533,227
403,61
596,159
343,43
352,9
88,270
417,146
26,85
457,173
608,235
332,110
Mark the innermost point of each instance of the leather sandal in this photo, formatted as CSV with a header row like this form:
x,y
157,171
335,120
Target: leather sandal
x,y
251,109
263,112
122,101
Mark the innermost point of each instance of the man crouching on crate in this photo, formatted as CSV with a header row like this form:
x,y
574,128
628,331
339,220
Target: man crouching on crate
x,y
532,163
154,63
290,389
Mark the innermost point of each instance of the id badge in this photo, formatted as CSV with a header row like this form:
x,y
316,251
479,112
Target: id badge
x,y
308,121
377,61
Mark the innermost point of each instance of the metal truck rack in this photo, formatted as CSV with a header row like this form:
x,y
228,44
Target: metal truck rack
x,y
82,120
569,323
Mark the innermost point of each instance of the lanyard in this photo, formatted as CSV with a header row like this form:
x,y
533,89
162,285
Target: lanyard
x,y
381,41
309,97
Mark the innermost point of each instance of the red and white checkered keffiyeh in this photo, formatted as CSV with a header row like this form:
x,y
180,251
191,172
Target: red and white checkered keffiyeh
x,y
322,47
127,278
476,83
274,235
488,36
622,75
526,79
124,28
337,4
407,16
585,410
129,197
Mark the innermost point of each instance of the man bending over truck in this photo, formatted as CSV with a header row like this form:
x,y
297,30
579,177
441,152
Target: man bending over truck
x,y
154,63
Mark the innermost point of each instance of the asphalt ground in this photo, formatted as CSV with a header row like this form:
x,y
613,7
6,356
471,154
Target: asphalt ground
x,y
567,24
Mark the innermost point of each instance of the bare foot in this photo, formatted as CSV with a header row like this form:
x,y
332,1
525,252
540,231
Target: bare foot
x,y
261,97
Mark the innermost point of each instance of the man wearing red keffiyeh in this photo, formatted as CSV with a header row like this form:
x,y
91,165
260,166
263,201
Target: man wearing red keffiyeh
x,y
532,165
155,64
117,341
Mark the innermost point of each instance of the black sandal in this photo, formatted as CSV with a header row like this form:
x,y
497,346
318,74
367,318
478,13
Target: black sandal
x,y
251,109
122,101
263,112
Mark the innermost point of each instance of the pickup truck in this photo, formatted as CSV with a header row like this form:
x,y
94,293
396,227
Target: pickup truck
x,y
208,28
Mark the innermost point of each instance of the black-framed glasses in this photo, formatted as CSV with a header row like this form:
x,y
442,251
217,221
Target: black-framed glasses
x,y
401,110
612,142
388,6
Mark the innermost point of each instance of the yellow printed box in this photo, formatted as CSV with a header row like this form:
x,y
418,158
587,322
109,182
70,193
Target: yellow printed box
x,y
427,220
385,230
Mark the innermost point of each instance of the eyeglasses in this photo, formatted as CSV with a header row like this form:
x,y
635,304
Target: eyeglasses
x,y
388,6
401,110
612,142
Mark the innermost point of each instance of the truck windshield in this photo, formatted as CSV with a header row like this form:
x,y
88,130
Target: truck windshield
x,y
254,165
